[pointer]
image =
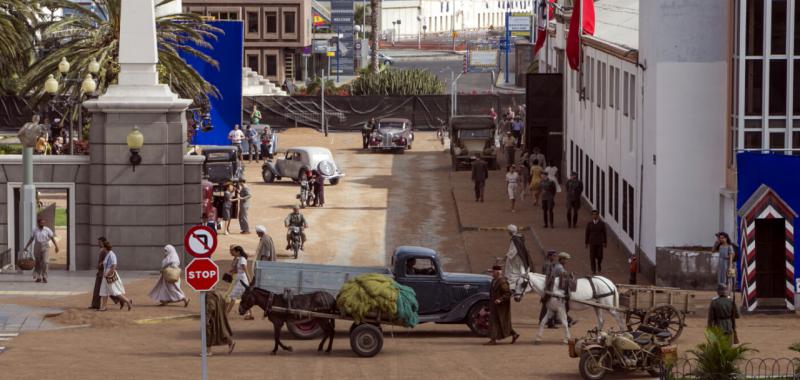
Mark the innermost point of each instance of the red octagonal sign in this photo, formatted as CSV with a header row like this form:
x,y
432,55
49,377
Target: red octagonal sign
x,y
202,274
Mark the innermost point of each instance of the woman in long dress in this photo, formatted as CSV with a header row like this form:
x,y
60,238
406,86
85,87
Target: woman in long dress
x,y
112,282
227,207
727,255
240,279
512,178
98,280
536,179
166,292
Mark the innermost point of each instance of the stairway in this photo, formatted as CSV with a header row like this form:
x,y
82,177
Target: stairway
x,y
254,84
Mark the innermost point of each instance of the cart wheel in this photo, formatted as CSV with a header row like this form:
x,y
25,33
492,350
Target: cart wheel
x,y
665,317
366,340
305,329
634,319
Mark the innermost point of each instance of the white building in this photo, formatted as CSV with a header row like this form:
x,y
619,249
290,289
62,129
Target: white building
x,y
647,120
435,16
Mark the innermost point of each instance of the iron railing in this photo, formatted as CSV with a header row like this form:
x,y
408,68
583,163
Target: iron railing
x,y
751,369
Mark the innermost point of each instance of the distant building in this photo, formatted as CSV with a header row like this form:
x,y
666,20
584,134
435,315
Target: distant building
x,y
275,34
665,99
435,16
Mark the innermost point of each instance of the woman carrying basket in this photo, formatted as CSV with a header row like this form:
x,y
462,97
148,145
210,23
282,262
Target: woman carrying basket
x,y
112,286
168,288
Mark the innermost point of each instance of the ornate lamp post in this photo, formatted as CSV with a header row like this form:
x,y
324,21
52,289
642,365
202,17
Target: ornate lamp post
x,y
88,86
28,134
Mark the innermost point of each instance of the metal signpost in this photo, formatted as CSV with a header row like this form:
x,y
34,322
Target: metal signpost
x,y
342,17
202,274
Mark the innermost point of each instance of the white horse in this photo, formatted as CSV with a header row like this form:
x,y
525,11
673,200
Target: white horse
x,y
596,289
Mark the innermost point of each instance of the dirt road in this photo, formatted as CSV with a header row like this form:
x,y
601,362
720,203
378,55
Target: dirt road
x,y
384,201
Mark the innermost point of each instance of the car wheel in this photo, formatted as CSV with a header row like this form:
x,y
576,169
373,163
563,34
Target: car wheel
x,y
267,175
334,181
478,318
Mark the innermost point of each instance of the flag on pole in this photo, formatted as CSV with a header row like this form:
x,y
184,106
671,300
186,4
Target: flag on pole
x,y
582,21
544,13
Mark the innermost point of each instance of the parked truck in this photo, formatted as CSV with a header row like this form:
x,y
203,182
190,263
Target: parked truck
x,y
443,297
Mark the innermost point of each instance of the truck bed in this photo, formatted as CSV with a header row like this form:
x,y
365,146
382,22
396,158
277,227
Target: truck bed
x,y
276,276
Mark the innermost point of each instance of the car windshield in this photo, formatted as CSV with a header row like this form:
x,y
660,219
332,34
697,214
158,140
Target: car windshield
x,y
218,156
390,125
475,133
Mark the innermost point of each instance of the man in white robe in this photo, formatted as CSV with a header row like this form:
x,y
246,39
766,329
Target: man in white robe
x,y
517,263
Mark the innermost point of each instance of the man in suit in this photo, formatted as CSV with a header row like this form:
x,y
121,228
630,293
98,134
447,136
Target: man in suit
x,y
595,241
480,172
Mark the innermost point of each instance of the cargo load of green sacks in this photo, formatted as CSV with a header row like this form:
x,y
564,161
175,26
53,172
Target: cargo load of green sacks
x,y
372,293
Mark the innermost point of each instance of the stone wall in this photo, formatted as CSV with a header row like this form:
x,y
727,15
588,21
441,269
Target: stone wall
x,y
686,269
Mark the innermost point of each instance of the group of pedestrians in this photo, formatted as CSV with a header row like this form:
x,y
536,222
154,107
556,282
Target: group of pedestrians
x,y
257,143
235,193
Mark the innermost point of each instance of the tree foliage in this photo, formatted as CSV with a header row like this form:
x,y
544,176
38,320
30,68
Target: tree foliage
x,y
717,357
374,6
398,82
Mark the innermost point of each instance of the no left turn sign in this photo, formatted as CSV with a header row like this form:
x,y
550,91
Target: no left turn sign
x,y
200,241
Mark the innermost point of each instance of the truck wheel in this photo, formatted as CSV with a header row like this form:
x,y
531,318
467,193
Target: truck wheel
x,y
366,340
334,181
304,329
267,175
478,318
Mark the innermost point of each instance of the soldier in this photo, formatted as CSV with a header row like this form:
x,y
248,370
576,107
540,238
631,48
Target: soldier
x,y
480,172
722,313
556,296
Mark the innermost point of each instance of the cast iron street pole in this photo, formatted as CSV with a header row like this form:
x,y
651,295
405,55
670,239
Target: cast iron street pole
x,y
322,105
338,70
508,42
27,199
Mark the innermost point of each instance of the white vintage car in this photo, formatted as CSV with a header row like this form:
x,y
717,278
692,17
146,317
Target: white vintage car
x,y
297,160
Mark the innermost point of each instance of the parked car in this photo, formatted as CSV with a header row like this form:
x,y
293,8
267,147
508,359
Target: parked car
x,y
297,160
443,297
392,134
472,136
221,165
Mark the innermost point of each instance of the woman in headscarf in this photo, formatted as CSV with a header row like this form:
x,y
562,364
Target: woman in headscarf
x,y
166,292
112,282
240,278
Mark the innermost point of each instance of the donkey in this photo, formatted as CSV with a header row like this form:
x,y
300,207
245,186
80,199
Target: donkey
x,y
597,289
321,302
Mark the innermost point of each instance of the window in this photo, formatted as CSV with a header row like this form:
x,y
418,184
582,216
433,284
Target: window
x,y
754,28
616,87
289,22
777,86
625,205
598,195
611,87
599,90
252,62
271,65
631,213
271,24
252,22
796,91
625,95
571,156
420,267
632,97
778,32
753,89
602,193
592,193
580,165
224,15
777,140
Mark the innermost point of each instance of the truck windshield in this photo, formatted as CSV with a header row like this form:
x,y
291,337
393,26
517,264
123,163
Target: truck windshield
x,y
394,125
475,133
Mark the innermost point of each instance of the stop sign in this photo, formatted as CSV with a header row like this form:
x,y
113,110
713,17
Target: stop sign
x,y
202,274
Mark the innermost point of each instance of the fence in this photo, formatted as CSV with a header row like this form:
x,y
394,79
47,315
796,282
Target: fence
x,y
351,112
757,368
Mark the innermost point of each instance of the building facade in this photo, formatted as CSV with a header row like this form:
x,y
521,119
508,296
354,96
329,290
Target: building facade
x,y
276,34
409,18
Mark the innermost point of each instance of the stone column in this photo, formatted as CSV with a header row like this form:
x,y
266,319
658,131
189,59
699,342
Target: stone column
x,y
138,211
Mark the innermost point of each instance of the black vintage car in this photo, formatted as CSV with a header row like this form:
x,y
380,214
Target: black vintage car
x,y
222,164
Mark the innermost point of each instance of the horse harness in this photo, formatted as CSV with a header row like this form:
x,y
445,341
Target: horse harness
x,y
596,296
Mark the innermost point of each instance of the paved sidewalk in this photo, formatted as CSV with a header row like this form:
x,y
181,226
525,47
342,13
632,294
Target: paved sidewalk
x,y
61,283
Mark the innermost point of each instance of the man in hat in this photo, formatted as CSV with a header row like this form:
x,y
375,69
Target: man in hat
x,y
574,188
500,308
266,248
548,195
41,237
596,240
550,261
556,297
517,263
480,172
722,312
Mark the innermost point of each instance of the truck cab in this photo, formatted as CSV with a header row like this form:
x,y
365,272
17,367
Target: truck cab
x,y
443,297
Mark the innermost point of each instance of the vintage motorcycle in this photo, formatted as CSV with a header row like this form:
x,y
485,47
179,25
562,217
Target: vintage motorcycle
x,y
295,239
601,352
306,195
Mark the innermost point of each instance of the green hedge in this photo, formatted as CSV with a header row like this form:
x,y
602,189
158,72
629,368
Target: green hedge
x,y
398,82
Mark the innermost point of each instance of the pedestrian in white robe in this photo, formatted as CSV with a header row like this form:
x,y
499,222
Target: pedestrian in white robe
x,y
516,268
166,292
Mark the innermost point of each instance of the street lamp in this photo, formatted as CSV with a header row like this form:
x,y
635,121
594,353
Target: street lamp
x,y
87,86
135,141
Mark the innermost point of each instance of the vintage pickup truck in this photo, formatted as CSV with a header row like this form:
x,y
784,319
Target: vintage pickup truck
x,y
443,297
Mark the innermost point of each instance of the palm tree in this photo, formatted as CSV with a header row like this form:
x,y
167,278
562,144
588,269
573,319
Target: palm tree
x,y
88,35
373,37
17,38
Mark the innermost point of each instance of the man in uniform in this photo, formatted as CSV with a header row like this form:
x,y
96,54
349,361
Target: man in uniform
x,y
722,312
548,199
550,261
295,219
500,308
480,172
556,296
596,240
574,190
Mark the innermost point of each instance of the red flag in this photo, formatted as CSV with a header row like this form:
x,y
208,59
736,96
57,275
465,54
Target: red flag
x,y
576,29
543,17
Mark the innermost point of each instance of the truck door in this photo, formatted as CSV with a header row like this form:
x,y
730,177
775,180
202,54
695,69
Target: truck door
x,y
422,275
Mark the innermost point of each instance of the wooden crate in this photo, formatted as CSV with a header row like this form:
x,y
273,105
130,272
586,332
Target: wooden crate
x,y
644,298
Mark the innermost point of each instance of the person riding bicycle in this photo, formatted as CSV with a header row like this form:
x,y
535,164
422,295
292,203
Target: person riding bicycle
x,y
298,220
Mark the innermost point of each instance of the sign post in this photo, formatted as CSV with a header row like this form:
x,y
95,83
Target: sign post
x,y
202,274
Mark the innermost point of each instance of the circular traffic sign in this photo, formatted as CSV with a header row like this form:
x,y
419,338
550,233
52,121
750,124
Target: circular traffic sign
x,y
202,274
200,241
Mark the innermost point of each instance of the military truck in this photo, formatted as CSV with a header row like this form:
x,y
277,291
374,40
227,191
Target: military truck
x,y
472,136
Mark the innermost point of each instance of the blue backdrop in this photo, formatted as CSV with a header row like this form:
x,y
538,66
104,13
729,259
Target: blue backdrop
x,y
226,111
778,171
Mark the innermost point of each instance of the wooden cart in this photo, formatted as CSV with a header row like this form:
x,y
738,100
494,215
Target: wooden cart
x,y
660,307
